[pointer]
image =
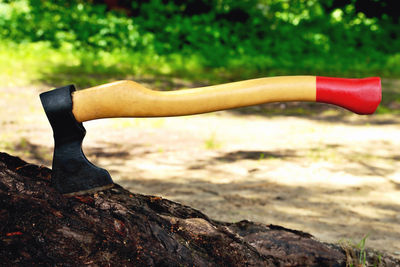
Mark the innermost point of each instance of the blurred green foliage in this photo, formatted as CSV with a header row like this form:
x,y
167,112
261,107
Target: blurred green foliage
x,y
227,39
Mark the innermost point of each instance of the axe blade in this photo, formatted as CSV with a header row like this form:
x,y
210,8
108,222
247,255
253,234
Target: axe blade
x,y
73,173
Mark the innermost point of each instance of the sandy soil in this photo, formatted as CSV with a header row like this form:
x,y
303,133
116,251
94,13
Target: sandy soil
x,y
337,178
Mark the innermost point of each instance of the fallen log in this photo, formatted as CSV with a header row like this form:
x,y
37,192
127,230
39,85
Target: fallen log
x,y
41,227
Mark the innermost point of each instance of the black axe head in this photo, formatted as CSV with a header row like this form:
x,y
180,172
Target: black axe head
x,y
72,173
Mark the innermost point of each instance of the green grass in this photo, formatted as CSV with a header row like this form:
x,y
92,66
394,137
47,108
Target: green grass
x,y
362,258
357,256
39,63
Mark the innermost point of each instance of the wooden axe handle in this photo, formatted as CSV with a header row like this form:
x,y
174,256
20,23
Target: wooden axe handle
x,y
130,99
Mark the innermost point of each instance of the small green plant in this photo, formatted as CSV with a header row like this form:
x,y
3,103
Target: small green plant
x,y
362,259
212,142
379,260
356,253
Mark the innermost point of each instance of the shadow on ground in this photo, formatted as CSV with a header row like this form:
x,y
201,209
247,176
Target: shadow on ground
x,y
318,210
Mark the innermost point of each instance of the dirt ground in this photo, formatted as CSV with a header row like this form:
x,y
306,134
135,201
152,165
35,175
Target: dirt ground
x,y
336,177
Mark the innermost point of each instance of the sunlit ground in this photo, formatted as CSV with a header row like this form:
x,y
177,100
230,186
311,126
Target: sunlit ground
x,y
332,174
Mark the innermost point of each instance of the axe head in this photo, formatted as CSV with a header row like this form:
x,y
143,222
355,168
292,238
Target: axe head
x,y
73,173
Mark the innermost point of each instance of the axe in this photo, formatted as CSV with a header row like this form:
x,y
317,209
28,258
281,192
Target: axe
x,y
67,108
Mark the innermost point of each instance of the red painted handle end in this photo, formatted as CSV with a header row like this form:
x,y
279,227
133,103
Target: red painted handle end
x,y
361,96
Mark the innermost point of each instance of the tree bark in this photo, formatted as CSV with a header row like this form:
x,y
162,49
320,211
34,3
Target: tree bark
x,y
41,227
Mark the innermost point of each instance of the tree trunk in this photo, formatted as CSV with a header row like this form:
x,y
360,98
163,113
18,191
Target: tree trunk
x,y
40,227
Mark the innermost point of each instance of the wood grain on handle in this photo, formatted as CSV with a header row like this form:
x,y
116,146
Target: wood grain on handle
x,y
130,99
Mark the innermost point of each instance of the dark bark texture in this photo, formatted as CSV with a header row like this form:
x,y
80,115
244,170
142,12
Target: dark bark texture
x,y
40,227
